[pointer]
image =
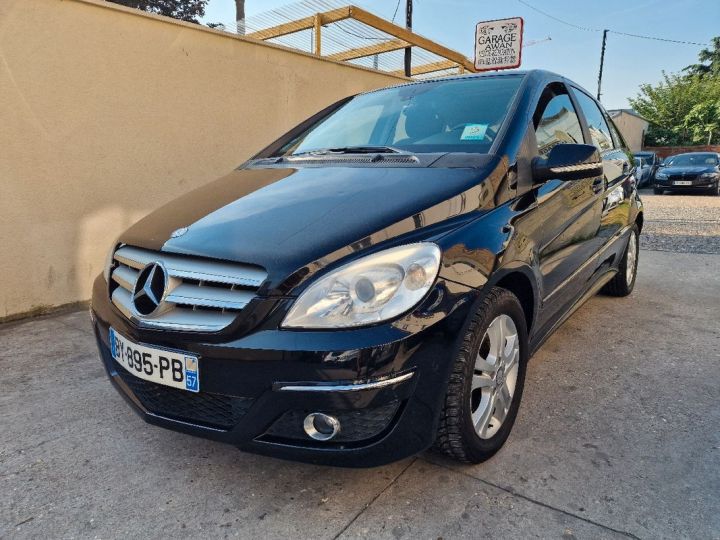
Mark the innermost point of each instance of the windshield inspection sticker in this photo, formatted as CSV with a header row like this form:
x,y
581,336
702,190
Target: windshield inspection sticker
x,y
474,132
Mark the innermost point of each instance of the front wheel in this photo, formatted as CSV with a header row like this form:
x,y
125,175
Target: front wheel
x,y
486,382
624,281
658,191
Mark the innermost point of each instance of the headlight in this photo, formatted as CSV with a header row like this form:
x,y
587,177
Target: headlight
x,y
109,261
372,289
661,176
708,175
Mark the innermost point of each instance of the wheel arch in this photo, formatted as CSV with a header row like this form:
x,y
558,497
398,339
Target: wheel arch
x,y
640,220
523,287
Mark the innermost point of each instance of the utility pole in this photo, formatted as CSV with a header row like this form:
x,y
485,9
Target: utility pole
x,y
602,63
408,25
240,16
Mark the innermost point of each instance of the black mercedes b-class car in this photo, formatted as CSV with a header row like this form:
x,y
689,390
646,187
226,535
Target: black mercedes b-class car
x,y
373,283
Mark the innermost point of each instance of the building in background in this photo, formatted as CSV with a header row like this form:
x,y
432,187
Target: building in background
x,y
632,126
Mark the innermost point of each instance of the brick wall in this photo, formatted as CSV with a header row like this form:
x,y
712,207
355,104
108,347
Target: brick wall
x,y
665,151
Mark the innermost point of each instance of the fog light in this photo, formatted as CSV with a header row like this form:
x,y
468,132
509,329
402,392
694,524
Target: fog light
x,y
321,427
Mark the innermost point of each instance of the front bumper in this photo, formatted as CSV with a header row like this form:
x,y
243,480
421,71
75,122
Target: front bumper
x,y
697,185
257,390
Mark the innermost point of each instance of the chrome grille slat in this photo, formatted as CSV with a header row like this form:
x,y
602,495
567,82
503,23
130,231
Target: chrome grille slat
x,y
187,268
201,295
125,277
177,318
123,300
209,297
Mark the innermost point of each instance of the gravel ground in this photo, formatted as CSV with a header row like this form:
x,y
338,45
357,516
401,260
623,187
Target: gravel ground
x,y
681,223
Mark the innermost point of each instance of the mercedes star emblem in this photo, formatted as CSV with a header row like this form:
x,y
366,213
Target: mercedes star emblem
x,y
179,232
150,289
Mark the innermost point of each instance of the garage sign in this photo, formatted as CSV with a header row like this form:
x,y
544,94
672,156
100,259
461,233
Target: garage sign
x,y
498,44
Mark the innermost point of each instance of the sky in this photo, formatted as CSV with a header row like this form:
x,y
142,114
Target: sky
x,y
574,53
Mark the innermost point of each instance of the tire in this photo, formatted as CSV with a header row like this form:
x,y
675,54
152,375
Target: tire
x,y
624,281
657,191
715,190
478,386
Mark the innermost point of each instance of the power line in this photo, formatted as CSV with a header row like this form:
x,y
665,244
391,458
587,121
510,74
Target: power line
x,y
397,6
553,17
658,38
587,29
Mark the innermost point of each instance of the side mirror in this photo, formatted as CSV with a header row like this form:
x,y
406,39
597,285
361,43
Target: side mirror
x,y
568,162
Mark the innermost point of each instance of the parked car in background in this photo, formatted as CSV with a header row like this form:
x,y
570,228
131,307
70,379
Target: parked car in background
x,y
693,171
652,159
374,282
642,171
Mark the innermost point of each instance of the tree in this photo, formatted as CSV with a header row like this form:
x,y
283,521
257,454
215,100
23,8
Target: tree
x,y
185,10
709,60
703,121
668,104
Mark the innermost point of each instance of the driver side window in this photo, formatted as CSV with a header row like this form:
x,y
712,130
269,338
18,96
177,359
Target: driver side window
x,y
555,120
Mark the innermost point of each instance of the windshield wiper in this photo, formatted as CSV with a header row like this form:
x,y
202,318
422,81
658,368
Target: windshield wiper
x,y
367,149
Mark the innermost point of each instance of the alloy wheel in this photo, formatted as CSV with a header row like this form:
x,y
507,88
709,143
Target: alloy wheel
x,y
495,376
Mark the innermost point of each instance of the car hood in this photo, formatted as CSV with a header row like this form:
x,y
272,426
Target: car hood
x,y
287,219
688,169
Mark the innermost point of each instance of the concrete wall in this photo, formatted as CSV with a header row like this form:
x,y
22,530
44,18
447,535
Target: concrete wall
x,y
632,128
106,113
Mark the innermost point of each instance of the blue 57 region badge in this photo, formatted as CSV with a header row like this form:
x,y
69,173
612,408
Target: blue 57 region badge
x,y
192,380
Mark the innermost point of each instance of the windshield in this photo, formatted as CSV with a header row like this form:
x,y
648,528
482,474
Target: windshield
x,y
457,115
692,159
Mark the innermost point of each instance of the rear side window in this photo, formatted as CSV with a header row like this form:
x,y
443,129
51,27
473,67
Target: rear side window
x,y
599,130
617,138
556,121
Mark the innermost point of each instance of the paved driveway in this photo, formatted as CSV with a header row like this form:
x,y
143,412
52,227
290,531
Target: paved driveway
x,y
618,435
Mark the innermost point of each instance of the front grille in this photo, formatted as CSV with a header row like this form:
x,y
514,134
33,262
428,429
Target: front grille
x,y
355,425
674,177
201,295
210,410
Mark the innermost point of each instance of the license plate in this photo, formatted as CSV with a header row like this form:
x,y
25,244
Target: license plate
x,y
682,183
171,368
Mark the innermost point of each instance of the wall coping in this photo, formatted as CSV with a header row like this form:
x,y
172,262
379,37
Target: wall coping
x,y
202,28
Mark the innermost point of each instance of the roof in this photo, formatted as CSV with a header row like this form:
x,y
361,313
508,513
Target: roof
x,y
539,75
617,112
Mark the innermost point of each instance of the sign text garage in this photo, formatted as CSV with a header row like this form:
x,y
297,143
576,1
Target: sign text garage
x,y
498,44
